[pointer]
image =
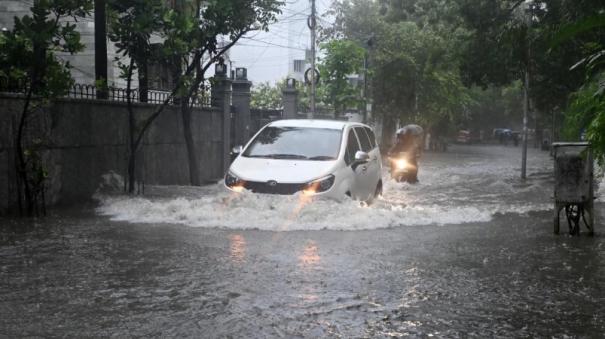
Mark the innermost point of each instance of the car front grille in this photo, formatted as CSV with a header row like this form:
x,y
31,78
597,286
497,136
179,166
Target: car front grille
x,y
276,188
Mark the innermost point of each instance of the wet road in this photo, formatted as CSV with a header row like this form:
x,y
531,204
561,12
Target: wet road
x,y
481,262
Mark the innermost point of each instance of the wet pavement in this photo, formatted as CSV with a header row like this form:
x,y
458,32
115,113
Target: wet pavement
x,y
469,252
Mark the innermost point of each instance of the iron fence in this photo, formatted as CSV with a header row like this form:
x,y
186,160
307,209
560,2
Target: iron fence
x,y
85,91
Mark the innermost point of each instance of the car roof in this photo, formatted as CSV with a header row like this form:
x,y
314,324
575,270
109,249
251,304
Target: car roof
x,y
316,123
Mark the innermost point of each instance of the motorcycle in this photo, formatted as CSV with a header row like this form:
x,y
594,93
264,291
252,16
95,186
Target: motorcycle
x,y
404,167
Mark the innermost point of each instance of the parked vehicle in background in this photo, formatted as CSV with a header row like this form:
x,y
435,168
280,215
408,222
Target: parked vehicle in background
x,y
314,157
463,137
502,135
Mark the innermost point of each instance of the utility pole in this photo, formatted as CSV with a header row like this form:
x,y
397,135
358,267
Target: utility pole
x,y
101,48
526,93
312,23
525,114
364,109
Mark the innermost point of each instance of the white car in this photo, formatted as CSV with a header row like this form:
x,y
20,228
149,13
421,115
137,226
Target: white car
x,y
316,157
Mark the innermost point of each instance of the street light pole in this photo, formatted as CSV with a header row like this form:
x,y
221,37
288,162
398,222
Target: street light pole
x,y
312,26
525,113
526,94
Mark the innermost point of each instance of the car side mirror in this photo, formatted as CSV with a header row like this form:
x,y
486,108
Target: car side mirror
x,y
361,157
237,149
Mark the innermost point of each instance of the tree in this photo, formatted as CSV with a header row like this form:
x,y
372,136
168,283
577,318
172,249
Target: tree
x,y
586,112
27,56
189,35
266,96
132,23
414,59
342,58
193,39
501,35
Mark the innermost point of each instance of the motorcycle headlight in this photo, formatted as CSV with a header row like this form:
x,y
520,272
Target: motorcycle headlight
x,y
320,185
401,163
232,181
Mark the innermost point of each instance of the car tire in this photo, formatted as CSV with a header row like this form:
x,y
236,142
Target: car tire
x,y
378,191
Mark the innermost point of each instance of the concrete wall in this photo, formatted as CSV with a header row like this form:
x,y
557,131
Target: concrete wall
x,y
87,138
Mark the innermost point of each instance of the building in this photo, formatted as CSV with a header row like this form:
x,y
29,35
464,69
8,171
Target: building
x,y
83,63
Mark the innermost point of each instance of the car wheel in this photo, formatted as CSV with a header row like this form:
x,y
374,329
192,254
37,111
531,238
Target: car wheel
x,y
378,191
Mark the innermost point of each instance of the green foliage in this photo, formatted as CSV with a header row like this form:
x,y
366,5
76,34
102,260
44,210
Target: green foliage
x,y
586,114
342,58
28,51
586,110
132,24
501,35
266,96
28,58
413,50
186,37
495,107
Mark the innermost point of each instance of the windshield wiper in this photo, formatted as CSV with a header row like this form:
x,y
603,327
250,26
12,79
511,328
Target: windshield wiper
x,y
285,156
322,157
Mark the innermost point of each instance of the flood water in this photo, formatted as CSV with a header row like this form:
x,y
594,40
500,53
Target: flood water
x,y
470,184
468,252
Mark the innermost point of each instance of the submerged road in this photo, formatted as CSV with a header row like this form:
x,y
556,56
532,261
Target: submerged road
x,y
468,252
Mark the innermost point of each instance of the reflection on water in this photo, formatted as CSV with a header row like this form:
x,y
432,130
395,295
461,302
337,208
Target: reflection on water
x,y
309,261
237,248
310,258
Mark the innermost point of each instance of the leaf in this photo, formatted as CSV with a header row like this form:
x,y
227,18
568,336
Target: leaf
x,y
570,31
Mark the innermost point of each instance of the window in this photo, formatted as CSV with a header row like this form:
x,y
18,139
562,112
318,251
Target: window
x,y
366,145
371,136
352,148
320,144
299,66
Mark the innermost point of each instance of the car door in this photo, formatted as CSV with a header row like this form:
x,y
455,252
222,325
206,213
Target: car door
x,y
367,173
375,158
355,172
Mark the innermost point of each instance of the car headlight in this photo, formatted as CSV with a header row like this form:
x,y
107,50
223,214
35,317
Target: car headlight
x,y
233,181
320,185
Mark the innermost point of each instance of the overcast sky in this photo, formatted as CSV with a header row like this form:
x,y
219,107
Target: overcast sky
x,y
267,54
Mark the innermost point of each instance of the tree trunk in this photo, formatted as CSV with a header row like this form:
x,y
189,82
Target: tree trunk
x,y
131,133
194,173
143,81
22,180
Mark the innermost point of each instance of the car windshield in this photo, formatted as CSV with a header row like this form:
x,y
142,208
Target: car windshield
x,y
301,143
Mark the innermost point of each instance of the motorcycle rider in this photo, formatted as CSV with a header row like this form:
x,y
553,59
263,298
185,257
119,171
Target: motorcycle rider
x,y
406,143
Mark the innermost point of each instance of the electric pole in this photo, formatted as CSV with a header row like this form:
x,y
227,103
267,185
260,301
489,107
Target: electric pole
x,y
526,107
312,25
525,114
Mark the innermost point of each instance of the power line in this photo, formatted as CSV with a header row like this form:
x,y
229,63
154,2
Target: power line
x,y
273,44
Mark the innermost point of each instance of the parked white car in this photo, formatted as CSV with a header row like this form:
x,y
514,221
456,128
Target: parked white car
x,y
315,157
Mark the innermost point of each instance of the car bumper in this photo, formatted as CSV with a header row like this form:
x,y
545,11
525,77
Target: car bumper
x,y
283,189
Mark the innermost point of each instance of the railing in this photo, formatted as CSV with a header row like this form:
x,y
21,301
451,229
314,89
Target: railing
x,y
84,91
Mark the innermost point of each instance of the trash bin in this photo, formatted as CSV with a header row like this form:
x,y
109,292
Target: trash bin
x,y
574,185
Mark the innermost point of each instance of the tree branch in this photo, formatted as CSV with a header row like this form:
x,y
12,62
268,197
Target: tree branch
x,y
151,118
226,48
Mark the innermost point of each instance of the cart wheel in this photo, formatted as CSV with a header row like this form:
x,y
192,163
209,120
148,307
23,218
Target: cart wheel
x,y
574,212
590,221
557,219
